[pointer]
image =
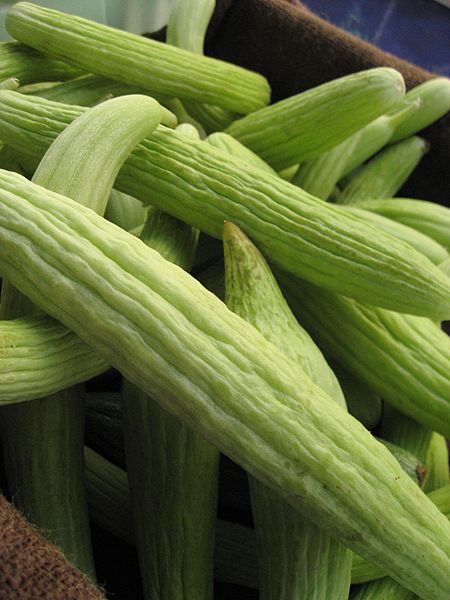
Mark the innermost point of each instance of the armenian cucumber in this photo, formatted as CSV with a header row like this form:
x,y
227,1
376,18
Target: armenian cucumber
x,y
228,383
303,126
136,60
297,232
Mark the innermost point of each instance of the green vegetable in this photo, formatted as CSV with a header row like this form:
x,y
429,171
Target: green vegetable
x,y
39,356
385,174
44,439
235,551
179,480
188,22
125,211
304,126
404,359
228,144
297,232
320,175
254,403
120,55
427,217
28,66
437,462
421,242
434,97
296,558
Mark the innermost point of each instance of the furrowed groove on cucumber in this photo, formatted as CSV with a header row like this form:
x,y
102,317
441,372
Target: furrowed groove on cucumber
x,y
120,55
254,404
294,230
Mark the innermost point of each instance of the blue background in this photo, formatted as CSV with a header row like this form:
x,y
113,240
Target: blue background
x,y
417,30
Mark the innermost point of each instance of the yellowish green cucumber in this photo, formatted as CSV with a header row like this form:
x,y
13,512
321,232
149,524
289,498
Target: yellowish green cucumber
x,y
299,233
255,405
304,126
136,60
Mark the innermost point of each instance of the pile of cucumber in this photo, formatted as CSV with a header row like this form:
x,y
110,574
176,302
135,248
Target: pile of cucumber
x,y
262,293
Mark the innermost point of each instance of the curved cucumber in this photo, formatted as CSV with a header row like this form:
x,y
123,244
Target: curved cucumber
x,y
385,174
304,126
28,66
297,232
120,55
427,217
254,403
436,253
405,359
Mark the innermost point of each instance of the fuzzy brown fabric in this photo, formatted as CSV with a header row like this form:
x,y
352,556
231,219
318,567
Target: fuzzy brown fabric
x,y
33,569
297,50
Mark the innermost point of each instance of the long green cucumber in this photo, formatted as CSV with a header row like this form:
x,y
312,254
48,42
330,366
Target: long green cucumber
x,y
320,175
304,126
301,234
437,461
136,60
224,141
228,383
39,356
29,66
434,97
235,552
296,558
188,22
404,359
86,90
427,217
434,251
125,211
83,162
172,470
385,174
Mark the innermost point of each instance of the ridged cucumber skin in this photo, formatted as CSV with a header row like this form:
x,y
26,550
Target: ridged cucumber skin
x,y
404,359
179,482
86,90
385,174
383,589
296,558
296,231
320,176
28,66
229,383
82,162
188,22
437,462
235,552
303,126
252,292
135,60
223,141
434,97
436,253
39,356
427,217
374,136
